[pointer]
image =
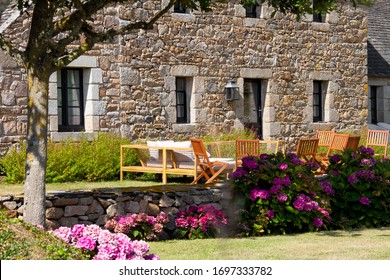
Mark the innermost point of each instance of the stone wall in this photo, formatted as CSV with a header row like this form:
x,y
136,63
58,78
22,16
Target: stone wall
x,y
98,206
135,97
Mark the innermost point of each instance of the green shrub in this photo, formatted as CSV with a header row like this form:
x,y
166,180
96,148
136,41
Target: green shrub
x,y
70,161
362,189
13,165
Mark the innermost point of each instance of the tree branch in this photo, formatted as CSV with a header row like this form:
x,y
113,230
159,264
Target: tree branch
x,y
93,37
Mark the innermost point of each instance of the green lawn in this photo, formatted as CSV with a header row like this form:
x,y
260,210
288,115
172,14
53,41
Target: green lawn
x,y
368,244
18,188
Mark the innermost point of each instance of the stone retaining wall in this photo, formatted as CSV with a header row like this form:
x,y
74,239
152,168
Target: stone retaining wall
x,y
98,206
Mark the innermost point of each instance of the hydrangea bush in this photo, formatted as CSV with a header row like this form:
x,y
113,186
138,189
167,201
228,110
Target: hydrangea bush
x,y
101,244
362,189
199,222
138,226
280,194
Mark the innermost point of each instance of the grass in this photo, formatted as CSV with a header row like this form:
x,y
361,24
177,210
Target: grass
x,y
15,189
368,244
20,241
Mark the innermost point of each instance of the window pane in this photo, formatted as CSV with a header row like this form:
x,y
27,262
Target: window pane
x,y
180,111
60,117
73,116
180,84
73,97
316,99
316,112
180,99
250,101
73,78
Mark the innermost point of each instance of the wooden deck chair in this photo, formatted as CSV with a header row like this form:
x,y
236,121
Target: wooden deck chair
x,y
210,170
378,138
339,144
353,142
307,149
245,147
325,138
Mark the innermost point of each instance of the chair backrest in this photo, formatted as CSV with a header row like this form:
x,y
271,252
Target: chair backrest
x,y
378,138
338,144
353,142
245,147
325,137
307,148
200,152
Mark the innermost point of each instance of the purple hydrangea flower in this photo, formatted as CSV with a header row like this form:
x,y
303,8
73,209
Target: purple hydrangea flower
x,y
335,158
368,162
240,172
271,214
282,197
364,200
299,204
283,166
368,151
366,174
352,179
248,162
256,193
327,188
317,222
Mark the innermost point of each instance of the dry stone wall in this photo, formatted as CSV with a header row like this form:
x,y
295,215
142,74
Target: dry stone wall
x,y
97,207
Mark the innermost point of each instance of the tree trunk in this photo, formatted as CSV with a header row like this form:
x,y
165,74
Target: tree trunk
x,y
35,178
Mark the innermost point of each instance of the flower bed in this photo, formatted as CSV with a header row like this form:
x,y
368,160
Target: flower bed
x,y
362,189
280,194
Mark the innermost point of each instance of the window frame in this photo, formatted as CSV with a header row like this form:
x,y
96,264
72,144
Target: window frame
x,y
374,104
184,104
63,89
179,7
251,10
318,17
320,94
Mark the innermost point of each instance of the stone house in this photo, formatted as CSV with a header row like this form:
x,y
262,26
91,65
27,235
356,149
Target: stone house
x,y
168,83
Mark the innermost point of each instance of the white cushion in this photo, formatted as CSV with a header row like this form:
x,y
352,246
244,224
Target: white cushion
x,y
183,155
156,154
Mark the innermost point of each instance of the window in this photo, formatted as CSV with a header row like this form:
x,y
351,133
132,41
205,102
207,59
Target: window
x,y
250,10
374,105
318,16
182,107
179,7
253,100
70,100
317,101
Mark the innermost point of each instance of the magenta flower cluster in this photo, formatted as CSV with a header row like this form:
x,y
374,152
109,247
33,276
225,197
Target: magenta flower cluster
x,y
138,226
305,203
283,195
104,245
200,221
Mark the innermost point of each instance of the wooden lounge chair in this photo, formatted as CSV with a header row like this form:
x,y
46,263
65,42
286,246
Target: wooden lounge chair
x,y
307,149
378,139
245,147
210,168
